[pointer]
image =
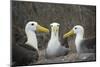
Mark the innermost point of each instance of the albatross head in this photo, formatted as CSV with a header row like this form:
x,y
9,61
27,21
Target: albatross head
x,y
78,30
34,26
54,27
30,29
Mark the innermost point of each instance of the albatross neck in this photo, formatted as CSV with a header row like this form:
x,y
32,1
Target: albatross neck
x,y
31,39
54,35
78,40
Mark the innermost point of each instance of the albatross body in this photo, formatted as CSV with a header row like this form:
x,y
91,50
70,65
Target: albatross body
x,y
80,42
28,52
54,47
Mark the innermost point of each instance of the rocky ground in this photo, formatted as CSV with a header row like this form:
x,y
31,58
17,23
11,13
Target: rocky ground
x,y
71,57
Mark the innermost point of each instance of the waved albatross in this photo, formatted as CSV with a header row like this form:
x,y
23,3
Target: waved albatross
x,y
54,48
27,54
82,45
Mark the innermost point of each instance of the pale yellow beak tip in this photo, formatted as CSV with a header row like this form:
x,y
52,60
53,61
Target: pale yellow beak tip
x,y
47,30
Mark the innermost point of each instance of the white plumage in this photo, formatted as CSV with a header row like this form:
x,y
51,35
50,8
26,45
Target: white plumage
x,y
31,36
30,29
79,31
81,43
54,47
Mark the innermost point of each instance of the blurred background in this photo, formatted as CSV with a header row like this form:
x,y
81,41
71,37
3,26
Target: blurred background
x,y
67,15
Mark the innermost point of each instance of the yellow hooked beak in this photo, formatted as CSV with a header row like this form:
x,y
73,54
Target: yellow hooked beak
x,y
41,29
70,33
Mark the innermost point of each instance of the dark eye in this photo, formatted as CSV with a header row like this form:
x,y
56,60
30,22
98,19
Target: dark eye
x,y
75,28
32,24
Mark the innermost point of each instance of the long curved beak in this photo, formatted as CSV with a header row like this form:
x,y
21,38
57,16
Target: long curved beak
x,y
41,29
70,33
